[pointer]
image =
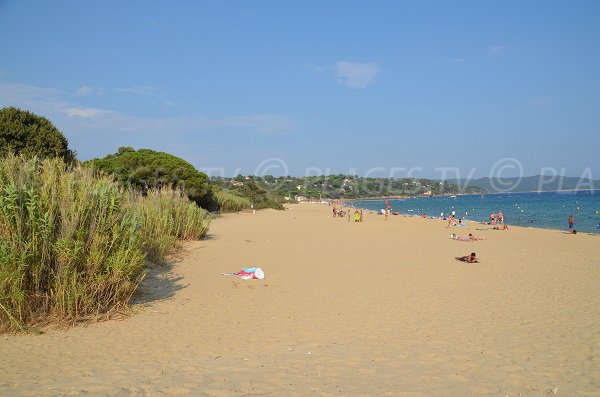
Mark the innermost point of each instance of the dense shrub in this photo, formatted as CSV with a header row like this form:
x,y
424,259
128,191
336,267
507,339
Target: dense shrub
x,y
22,132
72,244
259,196
146,169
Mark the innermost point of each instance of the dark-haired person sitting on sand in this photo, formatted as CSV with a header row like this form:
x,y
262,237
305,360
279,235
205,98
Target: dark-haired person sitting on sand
x,y
469,258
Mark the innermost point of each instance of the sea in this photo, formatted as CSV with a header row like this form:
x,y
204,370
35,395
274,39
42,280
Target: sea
x,y
546,210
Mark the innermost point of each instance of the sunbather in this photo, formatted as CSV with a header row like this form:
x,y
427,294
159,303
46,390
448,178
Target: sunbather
x,y
468,258
470,238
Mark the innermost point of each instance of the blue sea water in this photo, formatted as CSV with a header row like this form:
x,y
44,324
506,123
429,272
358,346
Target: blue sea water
x,y
548,210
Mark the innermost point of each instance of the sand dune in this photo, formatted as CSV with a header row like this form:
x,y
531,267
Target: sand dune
x,y
371,309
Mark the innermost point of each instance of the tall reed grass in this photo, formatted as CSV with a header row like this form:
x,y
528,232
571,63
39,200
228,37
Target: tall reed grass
x,y
230,202
167,216
73,244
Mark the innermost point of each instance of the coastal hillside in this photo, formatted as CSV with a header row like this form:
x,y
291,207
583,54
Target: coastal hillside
x,y
536,183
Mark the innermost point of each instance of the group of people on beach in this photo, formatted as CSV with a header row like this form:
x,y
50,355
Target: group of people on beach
x,y
452,221
340,213
497,218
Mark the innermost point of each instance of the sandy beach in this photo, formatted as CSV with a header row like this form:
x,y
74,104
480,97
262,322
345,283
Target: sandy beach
x,y
379,308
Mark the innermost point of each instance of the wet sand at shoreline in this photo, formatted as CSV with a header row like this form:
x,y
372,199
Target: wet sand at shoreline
x,y
379,308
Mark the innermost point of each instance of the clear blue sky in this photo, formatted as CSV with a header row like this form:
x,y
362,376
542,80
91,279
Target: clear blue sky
x,y
372,87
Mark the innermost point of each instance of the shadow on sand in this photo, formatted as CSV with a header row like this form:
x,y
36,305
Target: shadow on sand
x,y
159,284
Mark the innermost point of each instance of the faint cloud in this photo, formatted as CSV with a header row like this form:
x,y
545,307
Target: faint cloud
x,y
93,131
356,75
315,68
496,50
85,113
264,123
540,102
87,90
32,98
137,89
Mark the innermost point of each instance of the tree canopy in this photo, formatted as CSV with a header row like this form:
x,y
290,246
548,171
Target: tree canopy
x,y
22,132
144,169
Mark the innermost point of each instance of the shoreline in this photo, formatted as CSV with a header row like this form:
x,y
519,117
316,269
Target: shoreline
x,y
482,221
471,222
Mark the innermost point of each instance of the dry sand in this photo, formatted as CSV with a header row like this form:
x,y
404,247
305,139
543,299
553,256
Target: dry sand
x,y
372,309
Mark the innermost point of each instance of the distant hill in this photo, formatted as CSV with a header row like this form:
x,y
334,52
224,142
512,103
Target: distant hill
x,y
535,183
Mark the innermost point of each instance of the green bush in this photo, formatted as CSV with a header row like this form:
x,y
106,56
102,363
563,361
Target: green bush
x,y
259,196
146,169
73,243
228,201
167,216
22,132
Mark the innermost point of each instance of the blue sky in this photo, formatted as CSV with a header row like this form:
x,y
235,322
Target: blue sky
x,y
385,88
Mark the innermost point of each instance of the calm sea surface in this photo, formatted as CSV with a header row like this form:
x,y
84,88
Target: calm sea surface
x,y
548,210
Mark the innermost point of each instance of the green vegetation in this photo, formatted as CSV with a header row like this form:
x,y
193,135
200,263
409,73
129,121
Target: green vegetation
x,y
73,243
231,202
146,169
288,188
259,195
25,133
166,217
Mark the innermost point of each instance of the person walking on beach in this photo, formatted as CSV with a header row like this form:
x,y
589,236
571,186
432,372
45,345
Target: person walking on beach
x,y
571,223
349,213
361,216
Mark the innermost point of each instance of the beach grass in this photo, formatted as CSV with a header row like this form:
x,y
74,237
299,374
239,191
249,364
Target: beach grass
x,y
73,243
230,202
166,217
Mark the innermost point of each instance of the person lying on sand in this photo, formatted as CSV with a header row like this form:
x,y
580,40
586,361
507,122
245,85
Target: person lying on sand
x,y
469,258
501,227
470,238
